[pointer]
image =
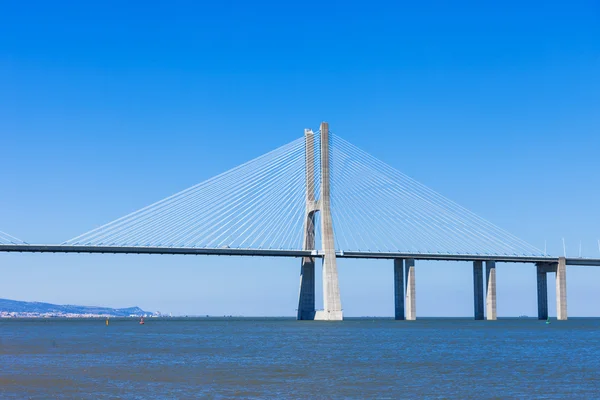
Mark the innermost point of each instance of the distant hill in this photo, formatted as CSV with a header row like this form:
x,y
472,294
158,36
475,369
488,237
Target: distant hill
x,y
14,306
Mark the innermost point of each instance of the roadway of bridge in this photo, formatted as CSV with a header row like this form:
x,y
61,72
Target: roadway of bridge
x,y
35,248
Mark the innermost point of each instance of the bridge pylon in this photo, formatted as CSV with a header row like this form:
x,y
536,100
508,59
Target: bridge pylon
x,y
332,305
306,298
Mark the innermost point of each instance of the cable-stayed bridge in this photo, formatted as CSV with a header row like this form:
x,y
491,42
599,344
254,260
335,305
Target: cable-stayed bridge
x,y
322,197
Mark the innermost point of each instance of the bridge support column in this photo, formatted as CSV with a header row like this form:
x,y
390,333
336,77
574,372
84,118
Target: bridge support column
x,y
542,290
490,294
478,289
332,303
561,289
306,297
411,295
399,289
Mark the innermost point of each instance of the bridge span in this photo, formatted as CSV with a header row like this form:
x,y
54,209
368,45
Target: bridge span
x,y
404,271
54,248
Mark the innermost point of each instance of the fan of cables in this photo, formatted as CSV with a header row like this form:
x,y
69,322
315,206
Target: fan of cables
x,y
5,238
262,205
376,208
257,205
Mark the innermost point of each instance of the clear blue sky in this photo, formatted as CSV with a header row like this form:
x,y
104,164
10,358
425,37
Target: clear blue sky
x,y
108,106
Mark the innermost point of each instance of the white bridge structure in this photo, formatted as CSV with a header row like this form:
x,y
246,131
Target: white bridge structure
x,y
320,197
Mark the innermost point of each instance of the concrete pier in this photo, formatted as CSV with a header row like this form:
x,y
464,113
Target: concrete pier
x,y
561,289
542,290
490,293
560,269
399,289
332,303
411,295
478,289
306,298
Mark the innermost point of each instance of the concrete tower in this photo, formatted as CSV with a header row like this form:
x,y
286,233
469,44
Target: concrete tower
x,y
306,298
332,304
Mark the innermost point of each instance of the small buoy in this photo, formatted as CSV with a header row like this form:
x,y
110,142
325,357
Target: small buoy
x,y
106,321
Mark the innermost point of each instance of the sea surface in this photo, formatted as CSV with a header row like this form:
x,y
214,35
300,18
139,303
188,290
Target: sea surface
x,y
288,359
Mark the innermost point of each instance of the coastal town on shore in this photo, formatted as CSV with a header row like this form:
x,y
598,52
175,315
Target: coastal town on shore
x,y
6,314
28,309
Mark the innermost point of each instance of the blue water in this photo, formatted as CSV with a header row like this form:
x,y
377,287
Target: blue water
x,y
282,358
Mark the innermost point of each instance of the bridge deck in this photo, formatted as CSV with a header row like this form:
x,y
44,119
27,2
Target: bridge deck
x,y
35,248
